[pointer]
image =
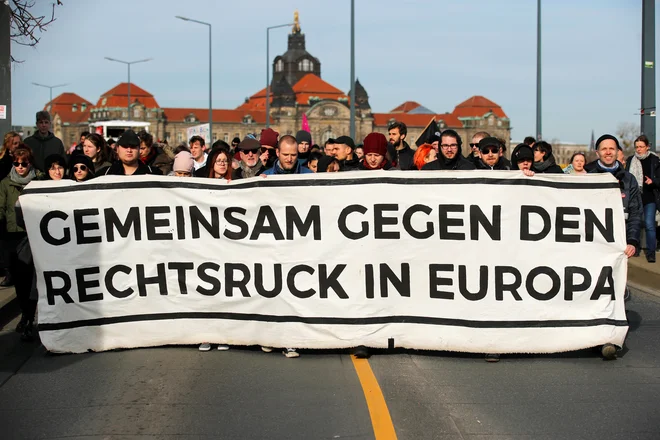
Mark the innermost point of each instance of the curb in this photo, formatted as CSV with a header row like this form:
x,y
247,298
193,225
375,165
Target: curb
x,y
9,308
642,278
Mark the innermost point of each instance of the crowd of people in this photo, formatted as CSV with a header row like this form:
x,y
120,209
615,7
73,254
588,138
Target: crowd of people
x,y
43,156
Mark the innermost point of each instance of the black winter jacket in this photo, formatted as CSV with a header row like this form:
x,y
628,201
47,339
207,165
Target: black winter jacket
x,y
401,159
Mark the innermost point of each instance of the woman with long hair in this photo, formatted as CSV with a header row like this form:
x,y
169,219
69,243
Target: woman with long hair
x,y
95,147
425,153
219,164
578,160
10,142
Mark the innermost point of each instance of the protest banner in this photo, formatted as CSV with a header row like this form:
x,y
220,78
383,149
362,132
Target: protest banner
x,y
484,262
199,130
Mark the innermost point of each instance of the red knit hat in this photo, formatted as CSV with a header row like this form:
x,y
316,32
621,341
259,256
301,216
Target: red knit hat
x,y
375,143
269,137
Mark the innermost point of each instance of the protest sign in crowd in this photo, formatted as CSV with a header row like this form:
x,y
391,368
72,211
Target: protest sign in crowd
x,y
43,157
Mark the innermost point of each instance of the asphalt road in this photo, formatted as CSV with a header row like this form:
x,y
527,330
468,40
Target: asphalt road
x,y
181,393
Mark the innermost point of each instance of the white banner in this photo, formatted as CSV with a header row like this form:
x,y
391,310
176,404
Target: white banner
x,y
484,262
200,130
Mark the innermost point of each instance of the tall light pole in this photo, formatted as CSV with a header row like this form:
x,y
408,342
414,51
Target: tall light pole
x,y
647,124
538,71
51,89
268,68
128,63
210,73
352,69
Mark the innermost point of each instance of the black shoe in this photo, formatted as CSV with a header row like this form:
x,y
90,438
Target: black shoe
x,y
608,351
361,352
492,357
650,257
20,328
7,281
28,333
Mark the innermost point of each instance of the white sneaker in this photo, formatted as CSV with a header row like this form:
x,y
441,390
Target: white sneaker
x,y
204,346
266,349
291,353
223,347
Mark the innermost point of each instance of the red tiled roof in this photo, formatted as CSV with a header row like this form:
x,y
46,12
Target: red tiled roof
x,y
220,115
62,105
406,107
415,120
311,83
478,106
118,97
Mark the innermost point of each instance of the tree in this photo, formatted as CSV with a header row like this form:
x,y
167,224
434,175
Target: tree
x,y
627,132
25,26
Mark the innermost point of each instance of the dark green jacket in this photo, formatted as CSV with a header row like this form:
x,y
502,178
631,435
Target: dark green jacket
x,y
42,147
9,192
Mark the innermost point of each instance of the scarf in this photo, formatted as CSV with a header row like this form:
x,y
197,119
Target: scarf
x,y
16,178
611,169
251,171
382,165
542,166
636,167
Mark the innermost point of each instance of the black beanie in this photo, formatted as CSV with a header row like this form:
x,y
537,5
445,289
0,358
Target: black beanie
x,y
323,164
606,137
79,158
54,159
304,136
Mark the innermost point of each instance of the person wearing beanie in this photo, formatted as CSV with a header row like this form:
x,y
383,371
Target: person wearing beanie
x,y
327,164
287,158
375,152
450,156
522,157
184,165
81,167
304,139
128,161
268,141
43,142
234,144
250,164
489,155
55,167
544,161
344,152
313,161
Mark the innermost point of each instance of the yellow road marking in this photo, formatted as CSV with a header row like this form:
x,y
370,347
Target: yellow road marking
x,y
380,415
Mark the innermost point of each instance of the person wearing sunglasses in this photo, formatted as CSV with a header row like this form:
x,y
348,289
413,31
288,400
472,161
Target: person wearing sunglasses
x,y
489,150
55,167
81,168
250,165
22,173
474,146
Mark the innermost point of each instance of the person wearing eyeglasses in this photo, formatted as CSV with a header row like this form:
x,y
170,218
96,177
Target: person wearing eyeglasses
x,y
250,165
55,167
22,173
451,157
128,154
474,146
81,168
219,164
489,150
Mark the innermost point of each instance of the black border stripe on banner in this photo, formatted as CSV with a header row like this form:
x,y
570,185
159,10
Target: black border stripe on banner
x,y
280,183
329,320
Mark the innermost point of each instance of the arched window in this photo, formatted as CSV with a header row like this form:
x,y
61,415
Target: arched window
x,y
279,66
306,65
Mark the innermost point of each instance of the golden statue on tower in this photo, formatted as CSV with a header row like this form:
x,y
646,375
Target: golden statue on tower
x,y
296,23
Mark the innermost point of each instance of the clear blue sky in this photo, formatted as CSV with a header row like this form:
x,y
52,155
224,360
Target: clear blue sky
x,y
435,52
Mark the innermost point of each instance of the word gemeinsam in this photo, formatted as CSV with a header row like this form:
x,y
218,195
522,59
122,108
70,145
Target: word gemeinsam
x,y
302,281
388,221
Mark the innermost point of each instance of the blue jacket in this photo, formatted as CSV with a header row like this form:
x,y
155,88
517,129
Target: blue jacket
x,y
298,169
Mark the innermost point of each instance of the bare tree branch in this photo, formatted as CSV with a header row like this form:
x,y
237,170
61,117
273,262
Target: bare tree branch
x,y
24,26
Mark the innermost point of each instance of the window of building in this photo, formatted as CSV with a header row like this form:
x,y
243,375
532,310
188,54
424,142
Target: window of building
x,y
306,65
247,119
499,123
74,108
83,107
215,137
179,137
491,121
124,114
279,66
226,137
137,112
167,136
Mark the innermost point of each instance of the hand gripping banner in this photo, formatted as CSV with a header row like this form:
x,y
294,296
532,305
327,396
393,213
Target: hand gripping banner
x,y
484,262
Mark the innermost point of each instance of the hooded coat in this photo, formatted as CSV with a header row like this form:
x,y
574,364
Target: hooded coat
x,y
42,147
158,158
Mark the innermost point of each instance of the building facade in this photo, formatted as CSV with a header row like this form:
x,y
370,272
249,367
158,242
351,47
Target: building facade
x,y
296,90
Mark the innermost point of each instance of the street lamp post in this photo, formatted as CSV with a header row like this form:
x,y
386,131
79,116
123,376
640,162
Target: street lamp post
x,y
51,89
539,127
352,108
210,72
128,63
268,68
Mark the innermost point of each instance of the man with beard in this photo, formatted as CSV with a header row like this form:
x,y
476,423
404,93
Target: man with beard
x,y
304,139
250,164
474,146
489,150
129,163
268,141
401,155
287,158
344,153
450,150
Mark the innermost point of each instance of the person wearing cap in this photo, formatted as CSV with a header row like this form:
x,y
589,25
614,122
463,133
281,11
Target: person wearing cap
x,y
327,164
522,157
43,142
400,153
304,139
489,152
153,155
250,164
344,147
184,165
287,158
268,142
544,160
451,156
375,153
128,162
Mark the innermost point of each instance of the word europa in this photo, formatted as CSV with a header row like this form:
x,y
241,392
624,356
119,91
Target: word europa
x,y
355,222
304,281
